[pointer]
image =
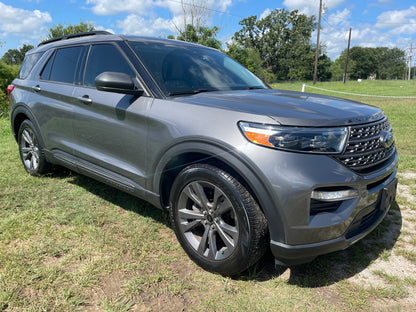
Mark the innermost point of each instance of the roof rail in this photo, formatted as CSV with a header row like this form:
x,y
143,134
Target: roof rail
x,y
87,33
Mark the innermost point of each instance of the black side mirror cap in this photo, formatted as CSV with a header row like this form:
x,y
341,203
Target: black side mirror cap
x,y
117,82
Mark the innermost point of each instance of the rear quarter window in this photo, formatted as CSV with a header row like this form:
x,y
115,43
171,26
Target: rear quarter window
x,y
28,63
62,66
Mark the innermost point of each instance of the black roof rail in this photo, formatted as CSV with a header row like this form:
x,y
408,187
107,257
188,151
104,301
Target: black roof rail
x,y
87,33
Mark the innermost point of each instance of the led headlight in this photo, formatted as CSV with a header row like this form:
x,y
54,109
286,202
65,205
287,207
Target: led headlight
x,y
306,140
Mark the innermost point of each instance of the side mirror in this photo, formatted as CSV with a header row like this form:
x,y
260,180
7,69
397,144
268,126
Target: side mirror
x,y
117,82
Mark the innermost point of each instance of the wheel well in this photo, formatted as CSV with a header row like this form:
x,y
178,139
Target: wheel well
x,y
18,120
178,163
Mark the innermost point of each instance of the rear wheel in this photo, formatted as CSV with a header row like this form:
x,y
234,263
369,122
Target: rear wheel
x,y
31,150
216,220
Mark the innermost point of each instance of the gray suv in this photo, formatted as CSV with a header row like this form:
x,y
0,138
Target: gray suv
x,y
239,166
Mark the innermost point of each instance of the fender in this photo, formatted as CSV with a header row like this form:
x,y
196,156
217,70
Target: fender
x,y
23,109
235,160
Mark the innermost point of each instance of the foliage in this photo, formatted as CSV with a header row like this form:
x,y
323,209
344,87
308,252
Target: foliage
x,y
61,30
338,67
201,35
282,40
7,74
250,58
324,68
383,62
16,56
391,63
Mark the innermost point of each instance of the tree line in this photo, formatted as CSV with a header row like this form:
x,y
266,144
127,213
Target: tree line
x,y
276,47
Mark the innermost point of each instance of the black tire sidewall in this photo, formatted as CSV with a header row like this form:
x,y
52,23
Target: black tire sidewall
x,y
43,164
239,259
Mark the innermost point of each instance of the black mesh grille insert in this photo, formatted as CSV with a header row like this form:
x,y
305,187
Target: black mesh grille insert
x,y
364,148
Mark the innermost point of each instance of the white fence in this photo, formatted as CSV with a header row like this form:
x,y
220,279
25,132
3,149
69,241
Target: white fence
x,y
357,94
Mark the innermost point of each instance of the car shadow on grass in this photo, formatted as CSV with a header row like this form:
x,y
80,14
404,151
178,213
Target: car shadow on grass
x,y
117,197
331,268
323,271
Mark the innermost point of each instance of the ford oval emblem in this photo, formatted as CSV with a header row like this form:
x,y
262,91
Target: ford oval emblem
x,y
386,138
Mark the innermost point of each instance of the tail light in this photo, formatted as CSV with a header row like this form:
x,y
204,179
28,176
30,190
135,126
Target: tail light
x,y
10,88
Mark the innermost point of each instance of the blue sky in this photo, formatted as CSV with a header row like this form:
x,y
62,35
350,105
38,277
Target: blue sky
x,y
375,23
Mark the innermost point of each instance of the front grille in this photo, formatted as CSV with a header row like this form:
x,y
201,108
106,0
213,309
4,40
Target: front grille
x,y
364,148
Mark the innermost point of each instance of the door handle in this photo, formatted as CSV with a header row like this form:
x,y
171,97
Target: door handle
x,y
85,99
36,88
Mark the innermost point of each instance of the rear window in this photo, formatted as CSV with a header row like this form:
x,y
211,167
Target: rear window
x,y
62,66
28,63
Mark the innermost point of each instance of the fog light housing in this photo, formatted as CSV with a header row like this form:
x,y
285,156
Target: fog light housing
x,y
335,195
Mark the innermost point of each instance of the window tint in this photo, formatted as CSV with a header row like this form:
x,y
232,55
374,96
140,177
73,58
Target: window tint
x,y
102,58
28,63
181,69
47,69
65,64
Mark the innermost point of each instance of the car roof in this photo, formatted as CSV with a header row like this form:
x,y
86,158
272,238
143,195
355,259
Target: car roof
x,y
102,36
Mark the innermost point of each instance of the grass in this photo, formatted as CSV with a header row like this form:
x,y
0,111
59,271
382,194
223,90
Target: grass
x,y
70,243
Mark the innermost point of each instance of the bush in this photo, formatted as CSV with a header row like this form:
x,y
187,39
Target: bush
x,y
7,74
4,104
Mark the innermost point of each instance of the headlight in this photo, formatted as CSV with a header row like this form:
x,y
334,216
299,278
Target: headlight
x,y
306,140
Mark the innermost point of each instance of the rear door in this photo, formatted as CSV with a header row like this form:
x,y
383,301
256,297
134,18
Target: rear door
x,y
110,128
53,98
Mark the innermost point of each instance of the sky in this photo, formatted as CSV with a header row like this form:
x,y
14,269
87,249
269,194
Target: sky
x,y
387,23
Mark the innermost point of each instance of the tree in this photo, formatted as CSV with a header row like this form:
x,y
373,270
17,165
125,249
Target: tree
x,y
196,14
7,74
366,61
283,41
250,58
16,56
324,68
385,63
202,35
338,67
390,62
61,30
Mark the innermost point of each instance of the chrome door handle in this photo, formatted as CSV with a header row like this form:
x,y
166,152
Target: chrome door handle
x,y
85,99
36,88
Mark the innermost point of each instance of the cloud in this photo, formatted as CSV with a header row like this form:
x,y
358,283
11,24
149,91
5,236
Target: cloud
x,y
111,7
398,22
22,22
140,26
265,13
309,7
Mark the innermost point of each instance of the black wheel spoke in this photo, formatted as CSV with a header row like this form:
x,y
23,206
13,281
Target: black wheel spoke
x,y
190,214
204,241
229,234
212,253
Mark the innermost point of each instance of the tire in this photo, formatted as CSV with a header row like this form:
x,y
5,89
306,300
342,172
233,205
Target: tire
x,y
216,220
31,150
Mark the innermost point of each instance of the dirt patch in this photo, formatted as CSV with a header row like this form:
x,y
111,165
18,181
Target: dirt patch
x,y
408,175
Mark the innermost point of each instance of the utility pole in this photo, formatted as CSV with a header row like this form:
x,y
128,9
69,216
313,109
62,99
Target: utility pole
x,y
348,54
410,60
317,43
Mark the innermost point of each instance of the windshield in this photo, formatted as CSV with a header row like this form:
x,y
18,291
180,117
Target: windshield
x,y
182,69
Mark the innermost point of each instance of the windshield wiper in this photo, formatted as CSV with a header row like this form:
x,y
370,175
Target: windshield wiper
x,y
191,92
255,88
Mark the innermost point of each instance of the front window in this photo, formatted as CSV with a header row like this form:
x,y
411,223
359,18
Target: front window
x,y
183,69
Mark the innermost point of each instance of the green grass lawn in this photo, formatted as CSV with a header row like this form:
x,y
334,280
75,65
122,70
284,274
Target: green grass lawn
x,y
70,243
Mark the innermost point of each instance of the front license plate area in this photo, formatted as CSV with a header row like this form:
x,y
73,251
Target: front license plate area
x,y
388,195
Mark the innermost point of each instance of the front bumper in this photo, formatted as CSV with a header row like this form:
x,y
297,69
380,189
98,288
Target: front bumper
x,y
299,230
363,223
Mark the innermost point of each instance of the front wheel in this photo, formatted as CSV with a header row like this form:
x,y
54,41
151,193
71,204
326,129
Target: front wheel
x,y
216,220
31,150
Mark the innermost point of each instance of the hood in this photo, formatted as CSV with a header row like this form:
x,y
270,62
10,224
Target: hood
x,y
289,107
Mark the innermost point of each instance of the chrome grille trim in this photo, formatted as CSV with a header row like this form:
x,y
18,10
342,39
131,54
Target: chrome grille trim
x,y
364,149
